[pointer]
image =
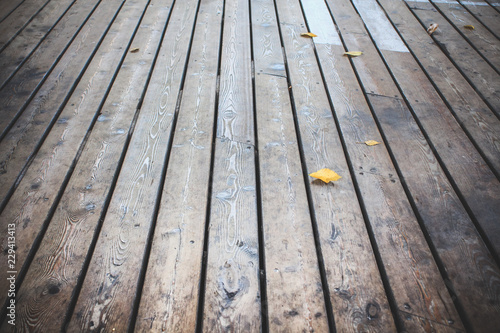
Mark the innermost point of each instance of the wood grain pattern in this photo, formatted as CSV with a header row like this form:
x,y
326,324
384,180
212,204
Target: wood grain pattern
x,y
15,22
177,249
28,39
455,236
471,111
432,193
295,298
21,140
477,183
31,204
485,42
167,188
484,78
235,99
232,297
107,296
49,284
29,78
345,244
39,174
487,15
7,7
404,252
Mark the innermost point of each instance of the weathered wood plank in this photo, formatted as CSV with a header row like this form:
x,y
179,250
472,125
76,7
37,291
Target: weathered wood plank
x,y
493,3
7,7
470,110
405,255
24,85
489,16
485,42
462,252
484,78
409,186
28,132
295,297
53,275
28,39
50,282
454,237
478,185
232,297
235,124
17,20
351,271
106,300
177,249
31,205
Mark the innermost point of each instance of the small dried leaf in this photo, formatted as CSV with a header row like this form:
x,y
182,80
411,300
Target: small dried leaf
x,y
308,34
371,143
432,28
353,53
469,27
326,175
134,50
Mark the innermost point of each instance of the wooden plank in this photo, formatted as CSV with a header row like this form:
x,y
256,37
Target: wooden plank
x,y
53,275
473,114
460,248
414,323
484,78
493,3
31,206
7,7
477,183
33,73
351,271
107,296
485,42
177,249
232,297
28,132
27,40
16,21
489,16
233,124
405,255
455,238
295,297
50,282
71,120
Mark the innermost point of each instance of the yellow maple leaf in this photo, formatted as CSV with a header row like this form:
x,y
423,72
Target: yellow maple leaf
x,y
371,143
468,26
326,175
353,53
308,34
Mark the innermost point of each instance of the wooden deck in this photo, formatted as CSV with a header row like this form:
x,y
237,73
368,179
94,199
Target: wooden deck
x,y
155,159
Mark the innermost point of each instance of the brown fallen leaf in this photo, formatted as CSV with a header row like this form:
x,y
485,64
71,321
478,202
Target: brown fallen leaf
x,y
308,34
326,175
469,27
353,53
432,28
134,50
